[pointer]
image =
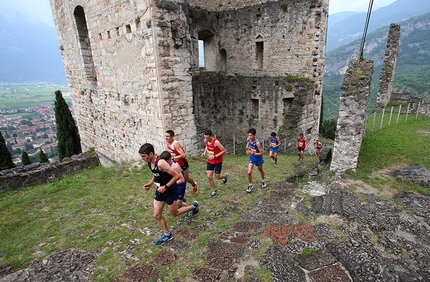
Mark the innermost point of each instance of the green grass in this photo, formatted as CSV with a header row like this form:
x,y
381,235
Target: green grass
x,y
395,146
106,209
25,96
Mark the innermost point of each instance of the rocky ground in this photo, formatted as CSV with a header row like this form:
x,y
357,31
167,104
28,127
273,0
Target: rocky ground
x,y
354,236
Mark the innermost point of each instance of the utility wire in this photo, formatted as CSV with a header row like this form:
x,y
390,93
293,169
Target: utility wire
x,y
327,99
366,25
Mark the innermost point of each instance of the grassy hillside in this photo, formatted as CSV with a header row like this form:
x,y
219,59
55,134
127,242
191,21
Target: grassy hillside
x,y
106,209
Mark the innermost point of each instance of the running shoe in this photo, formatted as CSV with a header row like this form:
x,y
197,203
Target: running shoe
x,y
213,193
195,207
225,180
263,184
194,188
249,189
164,238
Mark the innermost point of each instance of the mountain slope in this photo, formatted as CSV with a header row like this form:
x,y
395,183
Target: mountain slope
x,y
29,52
341,32
413,64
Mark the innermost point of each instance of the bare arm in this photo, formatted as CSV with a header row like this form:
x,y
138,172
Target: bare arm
x,y
149,184
221,147
259,149
179,170
279,142
180,150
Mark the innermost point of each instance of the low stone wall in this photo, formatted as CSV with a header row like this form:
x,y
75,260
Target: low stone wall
x,y
37,173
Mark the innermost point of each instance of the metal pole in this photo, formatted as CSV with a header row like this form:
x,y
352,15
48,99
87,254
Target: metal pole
x,y
373,123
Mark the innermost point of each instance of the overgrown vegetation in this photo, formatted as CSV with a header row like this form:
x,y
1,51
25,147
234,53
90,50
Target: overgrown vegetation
x,y
328,128
106,209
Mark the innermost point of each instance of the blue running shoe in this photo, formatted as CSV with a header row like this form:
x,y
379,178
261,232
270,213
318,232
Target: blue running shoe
x,y
164,238
195,207
213,193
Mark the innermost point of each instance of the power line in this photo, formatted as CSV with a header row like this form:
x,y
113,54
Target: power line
x,y
330,101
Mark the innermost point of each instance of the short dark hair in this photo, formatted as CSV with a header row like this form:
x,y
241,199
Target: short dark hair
x,y
252,131
146,149
301,134
165,155
273,134
207,132
171,133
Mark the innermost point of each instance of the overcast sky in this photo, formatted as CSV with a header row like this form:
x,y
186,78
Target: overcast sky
x,y
37,11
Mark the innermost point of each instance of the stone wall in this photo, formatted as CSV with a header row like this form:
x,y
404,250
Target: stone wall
x,y
230,105
388,70
352,115
37,173
130,64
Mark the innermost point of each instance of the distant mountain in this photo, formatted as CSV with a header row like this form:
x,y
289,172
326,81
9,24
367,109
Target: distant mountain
x,y
344,28
413,63
29,52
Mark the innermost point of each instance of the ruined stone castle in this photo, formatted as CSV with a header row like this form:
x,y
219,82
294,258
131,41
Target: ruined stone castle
x,y
135,70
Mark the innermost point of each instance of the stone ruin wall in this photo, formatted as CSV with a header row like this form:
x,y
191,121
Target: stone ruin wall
x,y
296,48
218,5
140,85
351,123
388,70
42,173
140,58
227,105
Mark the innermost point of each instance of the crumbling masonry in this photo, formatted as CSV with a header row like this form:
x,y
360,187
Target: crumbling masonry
x,y
133,70
388,71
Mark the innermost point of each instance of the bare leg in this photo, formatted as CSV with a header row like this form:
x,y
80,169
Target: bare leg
x,y
260,169
250,167
174,211
158,215
210,174
188,177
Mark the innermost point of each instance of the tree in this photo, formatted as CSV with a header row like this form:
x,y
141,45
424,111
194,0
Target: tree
x,y
328,128
43,158
69,142
25,159
5,156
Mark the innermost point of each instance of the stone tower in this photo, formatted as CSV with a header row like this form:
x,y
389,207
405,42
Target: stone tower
x,y
133,70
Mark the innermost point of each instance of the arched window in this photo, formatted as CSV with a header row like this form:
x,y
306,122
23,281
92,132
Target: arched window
x,y
84,43
223,55
259,51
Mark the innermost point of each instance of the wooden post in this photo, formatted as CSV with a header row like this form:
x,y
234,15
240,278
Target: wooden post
x,y
382,118
391,114
398,115
407,112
